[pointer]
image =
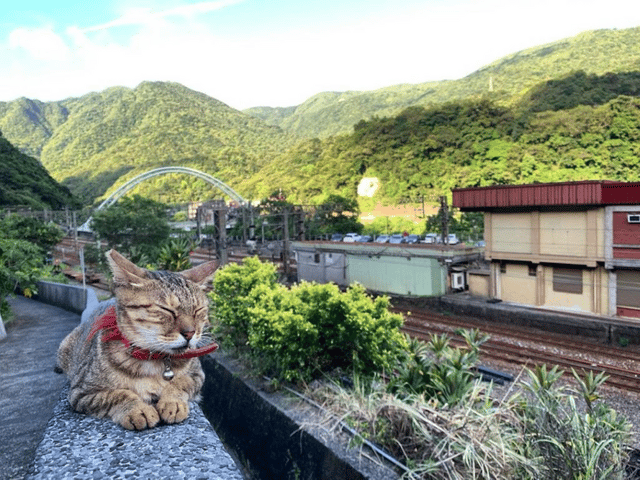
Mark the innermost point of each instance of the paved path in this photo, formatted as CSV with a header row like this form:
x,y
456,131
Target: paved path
x,y
29,389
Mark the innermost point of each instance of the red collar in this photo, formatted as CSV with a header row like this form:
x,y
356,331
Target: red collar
x,y
108,322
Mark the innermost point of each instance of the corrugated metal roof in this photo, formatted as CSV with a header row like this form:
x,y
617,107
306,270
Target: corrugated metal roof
x,y
592,192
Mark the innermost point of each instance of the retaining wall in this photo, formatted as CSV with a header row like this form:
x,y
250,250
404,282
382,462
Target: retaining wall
x,y
69,297
265,430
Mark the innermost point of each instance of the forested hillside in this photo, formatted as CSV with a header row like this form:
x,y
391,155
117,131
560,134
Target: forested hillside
x,y
24,182
563,111
577,128
594,52
91,142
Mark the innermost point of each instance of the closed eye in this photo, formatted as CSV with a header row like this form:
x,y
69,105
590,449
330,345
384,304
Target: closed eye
x,y
136,306
169,311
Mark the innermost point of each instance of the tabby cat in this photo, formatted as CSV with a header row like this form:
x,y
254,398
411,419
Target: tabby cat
x,y
133,360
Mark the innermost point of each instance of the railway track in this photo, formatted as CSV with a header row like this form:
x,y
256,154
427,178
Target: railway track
x,y
517,346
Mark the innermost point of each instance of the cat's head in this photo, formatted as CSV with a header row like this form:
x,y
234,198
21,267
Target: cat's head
x,y
161,311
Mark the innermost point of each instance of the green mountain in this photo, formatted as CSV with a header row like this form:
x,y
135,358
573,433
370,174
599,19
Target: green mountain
x,y
563,111
581,127
88,143
594,52
25,182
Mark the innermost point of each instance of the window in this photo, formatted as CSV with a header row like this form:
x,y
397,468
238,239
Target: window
x,y
628,288
567,280
316,258
503,267
533,270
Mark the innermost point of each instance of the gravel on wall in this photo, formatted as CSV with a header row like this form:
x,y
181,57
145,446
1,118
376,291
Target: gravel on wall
x,y
77,446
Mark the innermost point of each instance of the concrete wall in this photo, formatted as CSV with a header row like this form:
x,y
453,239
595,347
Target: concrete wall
x,y
266,430
511,232
398,275
573,237
70,297
478,283
517,285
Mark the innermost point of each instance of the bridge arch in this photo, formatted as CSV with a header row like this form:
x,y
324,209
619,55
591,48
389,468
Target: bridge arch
x,y
124,188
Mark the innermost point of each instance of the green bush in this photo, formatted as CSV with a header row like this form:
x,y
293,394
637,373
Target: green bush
x,y
306,330
437,370
280,333
230,298
174,255
314,328
21,267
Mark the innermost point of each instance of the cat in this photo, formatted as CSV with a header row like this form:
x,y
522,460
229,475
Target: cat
x,y
134,359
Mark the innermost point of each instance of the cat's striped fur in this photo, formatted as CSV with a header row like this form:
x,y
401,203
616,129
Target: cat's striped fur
x,y
156,311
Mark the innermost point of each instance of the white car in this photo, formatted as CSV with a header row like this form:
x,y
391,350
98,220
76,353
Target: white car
x,y
431,238
351,237
452,239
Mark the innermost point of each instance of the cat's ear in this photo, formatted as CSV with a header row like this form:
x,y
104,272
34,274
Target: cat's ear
x,y
124,271
201,273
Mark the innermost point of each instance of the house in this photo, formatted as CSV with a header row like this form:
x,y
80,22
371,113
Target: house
x,y
402,269
570,246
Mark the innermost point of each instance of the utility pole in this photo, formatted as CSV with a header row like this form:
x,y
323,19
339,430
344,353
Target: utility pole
x,y
444,211
285,243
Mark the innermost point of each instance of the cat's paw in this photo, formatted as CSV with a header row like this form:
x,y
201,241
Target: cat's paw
x,y
140,417
172,410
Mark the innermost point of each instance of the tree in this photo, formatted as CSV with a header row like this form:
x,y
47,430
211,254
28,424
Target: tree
x,y
23,243
44,235
133,223
338,214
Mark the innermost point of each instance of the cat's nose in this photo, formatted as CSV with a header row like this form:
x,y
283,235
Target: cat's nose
x,y
188,334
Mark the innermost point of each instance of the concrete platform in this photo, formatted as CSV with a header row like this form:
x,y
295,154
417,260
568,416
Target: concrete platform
x,y
603,329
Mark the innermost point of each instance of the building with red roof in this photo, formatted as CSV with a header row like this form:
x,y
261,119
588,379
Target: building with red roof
x,y
570,246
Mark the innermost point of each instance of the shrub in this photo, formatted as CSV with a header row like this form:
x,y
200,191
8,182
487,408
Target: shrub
x,y
437,370
314,328
174,255
230,298
306,330
21,267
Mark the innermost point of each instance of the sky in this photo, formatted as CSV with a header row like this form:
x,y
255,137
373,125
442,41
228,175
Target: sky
x,y
278,53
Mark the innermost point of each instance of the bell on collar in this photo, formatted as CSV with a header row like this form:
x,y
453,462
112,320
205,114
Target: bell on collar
x,y
168,373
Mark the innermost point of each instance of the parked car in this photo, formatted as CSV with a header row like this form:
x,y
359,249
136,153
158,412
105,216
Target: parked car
x,y
351,237
481,243
452,239
396,238
382,239
364,238
431,238
337,237
413,238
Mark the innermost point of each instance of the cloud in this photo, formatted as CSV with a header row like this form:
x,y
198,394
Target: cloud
x,y
41,43
271,61
144,16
